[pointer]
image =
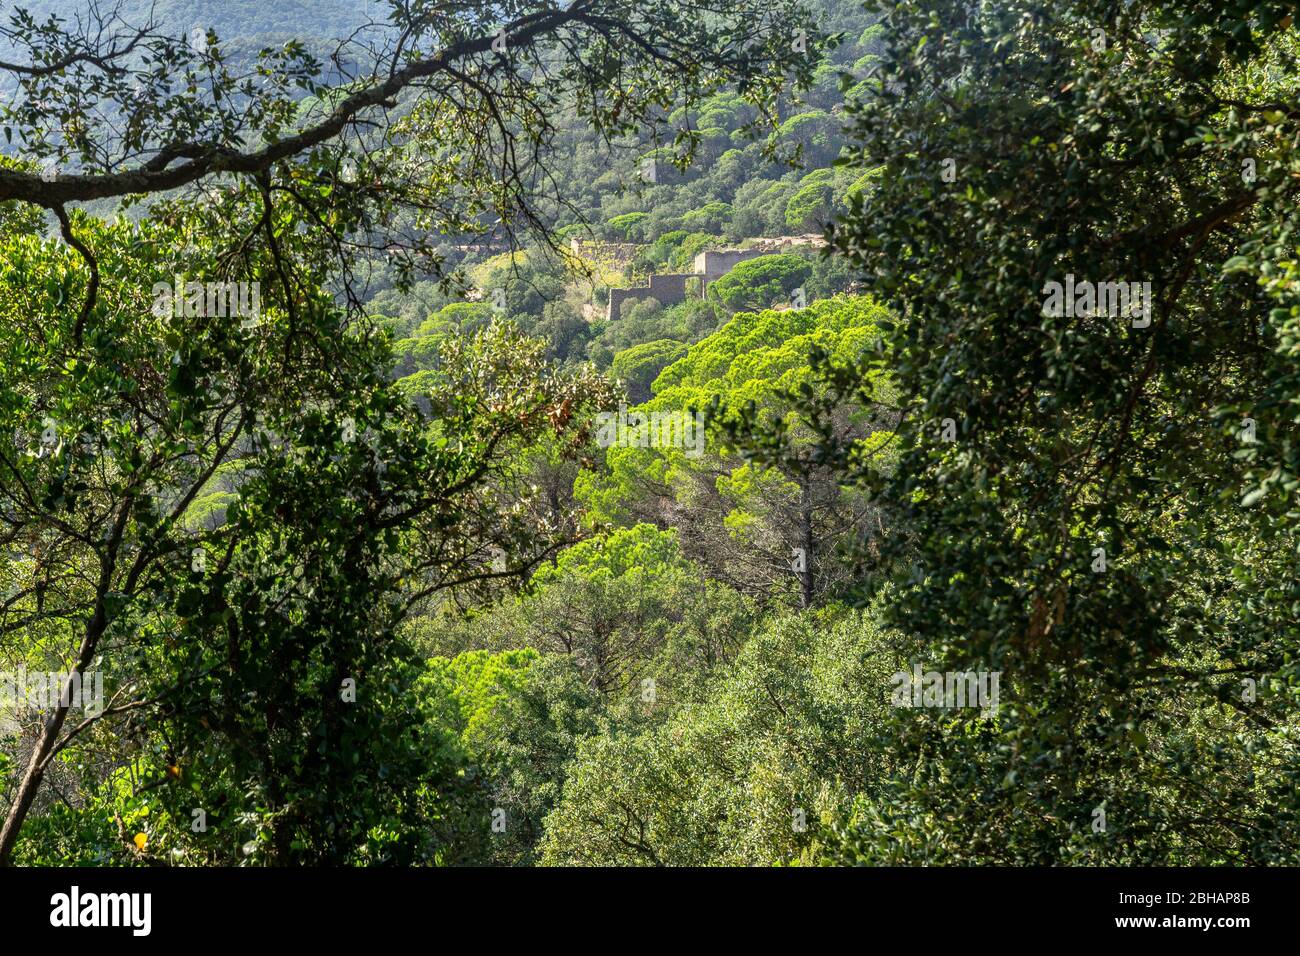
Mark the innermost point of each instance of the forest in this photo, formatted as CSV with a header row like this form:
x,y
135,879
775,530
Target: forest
x,y
675,433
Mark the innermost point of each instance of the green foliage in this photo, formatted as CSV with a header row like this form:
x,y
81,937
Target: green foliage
x,y
810,206
648,321
683,257
532,713
637,367
807,136
627,225
370,583
1166,441
740,519
709,218
781,743
277,691
761,283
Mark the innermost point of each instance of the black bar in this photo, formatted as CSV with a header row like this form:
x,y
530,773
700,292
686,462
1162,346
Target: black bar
x,y
948,905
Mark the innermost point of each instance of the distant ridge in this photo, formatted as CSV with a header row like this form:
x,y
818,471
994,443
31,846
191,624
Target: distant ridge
x,y
241,20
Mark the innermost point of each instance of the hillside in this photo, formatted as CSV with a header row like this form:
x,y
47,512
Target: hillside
x,y
667,433
250,22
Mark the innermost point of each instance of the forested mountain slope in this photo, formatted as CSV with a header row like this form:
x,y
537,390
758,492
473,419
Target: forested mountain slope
x,y
387,544
250,22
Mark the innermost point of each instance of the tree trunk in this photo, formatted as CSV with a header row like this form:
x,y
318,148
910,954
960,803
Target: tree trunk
x,y
35,773
95,627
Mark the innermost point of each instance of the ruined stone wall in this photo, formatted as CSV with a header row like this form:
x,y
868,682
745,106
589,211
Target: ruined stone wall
x,y
668,289
710,265
716,263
